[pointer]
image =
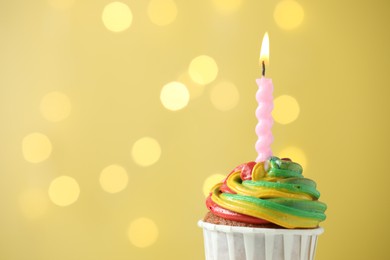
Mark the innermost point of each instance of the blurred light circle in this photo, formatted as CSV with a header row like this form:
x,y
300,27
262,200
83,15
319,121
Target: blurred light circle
x,y
286,109
64,191
55,106
36,147
288,14
113,179
203,69
174,96
117,16
211,181
162,12
146,151
295,154
33,203
142,232
61,4
227,6
224,96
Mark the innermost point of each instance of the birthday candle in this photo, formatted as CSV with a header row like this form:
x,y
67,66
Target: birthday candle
x,y
265,105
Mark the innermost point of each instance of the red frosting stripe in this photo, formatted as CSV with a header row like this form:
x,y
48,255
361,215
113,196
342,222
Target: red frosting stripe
x,y
246,174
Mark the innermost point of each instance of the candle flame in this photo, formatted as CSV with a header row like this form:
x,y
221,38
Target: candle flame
x,y
264,53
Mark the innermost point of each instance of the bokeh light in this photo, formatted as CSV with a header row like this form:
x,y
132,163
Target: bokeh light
x,y
33,203
227,6
113,179
117,16
286,109
61,4
288,14
55,106
64,191
224,96
36,147
162,12
203,69
174,96
295,154
146,151
142,232
210,181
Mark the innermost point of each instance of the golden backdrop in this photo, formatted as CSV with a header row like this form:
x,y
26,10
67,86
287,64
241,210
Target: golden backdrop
x,y
116,117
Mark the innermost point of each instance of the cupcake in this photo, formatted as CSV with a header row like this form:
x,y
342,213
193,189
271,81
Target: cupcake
x,y
265,210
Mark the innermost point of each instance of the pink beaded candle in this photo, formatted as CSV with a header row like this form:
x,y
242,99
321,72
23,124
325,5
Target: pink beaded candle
x,y
264,109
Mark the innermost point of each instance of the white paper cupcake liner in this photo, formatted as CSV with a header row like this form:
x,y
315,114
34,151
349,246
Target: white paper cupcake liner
x,y
245,243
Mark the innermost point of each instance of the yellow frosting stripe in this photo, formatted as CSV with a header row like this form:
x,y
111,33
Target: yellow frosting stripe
x,y
258,172
275,216
234,182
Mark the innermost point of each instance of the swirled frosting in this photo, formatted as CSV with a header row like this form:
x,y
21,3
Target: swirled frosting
x,y
273,191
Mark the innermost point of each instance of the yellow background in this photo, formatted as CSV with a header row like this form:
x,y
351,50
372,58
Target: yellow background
x,y
335,63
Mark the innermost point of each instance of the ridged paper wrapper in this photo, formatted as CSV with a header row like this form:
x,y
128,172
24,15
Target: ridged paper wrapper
x,y
246,243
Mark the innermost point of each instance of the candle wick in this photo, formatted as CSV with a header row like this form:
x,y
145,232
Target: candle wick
x,y
263,66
